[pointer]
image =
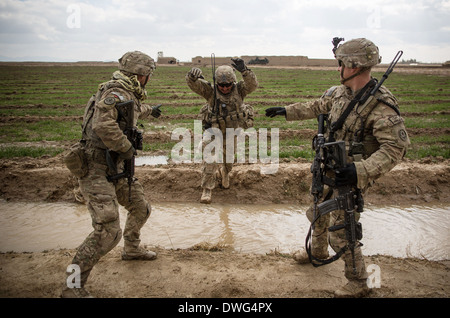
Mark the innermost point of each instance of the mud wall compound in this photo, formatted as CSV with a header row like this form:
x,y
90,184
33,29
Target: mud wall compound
x,y
273,60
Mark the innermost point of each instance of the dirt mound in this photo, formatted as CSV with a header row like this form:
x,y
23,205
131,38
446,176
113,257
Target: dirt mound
x,y
47,179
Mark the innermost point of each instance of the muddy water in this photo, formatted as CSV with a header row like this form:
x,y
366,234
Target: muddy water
x,y
412,231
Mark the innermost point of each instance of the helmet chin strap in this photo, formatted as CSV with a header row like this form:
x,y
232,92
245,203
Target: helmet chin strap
x,y
343,80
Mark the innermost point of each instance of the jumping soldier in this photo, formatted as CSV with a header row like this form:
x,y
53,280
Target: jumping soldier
x,y
225,108
375,141
103,132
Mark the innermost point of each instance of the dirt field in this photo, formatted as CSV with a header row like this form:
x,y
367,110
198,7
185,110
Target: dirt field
x,y
219,274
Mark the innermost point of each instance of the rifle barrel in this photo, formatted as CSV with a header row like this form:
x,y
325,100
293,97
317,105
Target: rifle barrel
x,y
388,71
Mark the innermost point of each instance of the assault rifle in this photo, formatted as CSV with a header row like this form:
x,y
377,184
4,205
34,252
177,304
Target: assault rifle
x,y
126,111
215,107
332,156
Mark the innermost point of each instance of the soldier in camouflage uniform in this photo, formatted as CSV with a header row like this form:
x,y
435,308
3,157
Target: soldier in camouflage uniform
x,y
103,130
377,125
231,112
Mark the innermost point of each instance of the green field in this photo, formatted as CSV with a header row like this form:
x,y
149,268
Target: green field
x,y
46,103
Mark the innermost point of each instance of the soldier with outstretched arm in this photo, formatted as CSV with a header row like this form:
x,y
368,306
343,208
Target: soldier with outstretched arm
x,y
374,140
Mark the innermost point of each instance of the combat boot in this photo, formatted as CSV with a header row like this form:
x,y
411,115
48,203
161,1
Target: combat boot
x,y
355,288
75,293
206,196
139,254
225,177
302,257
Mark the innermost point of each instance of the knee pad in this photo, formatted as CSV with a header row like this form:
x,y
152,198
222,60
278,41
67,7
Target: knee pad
x,y
140,210
148,211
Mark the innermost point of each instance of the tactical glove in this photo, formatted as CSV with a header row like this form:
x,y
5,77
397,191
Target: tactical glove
x,y
195,73
239,65
156,112
274,111
128,154
346,176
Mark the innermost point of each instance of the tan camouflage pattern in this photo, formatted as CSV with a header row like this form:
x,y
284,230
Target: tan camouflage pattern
x,y
234,102
385,136
385,142
358,53
100,122
101,196
138,63
225,74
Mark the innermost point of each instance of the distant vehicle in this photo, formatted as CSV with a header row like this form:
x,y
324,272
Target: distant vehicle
x,y
259,61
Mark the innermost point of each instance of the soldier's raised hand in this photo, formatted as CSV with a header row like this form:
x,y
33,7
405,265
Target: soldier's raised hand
x,y
239,64
195,73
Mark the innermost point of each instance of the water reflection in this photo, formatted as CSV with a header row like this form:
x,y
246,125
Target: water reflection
x,y
412,231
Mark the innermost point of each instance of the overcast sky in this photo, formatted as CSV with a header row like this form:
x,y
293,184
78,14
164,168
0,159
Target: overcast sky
x,y
60,30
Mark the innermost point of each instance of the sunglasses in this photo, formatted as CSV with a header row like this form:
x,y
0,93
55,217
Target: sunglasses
x,y
225,84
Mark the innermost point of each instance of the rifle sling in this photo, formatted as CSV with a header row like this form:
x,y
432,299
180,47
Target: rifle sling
x,y
358,99
316,262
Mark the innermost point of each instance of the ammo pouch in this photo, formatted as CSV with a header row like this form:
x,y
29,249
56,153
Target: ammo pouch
x,y
76,161
236,120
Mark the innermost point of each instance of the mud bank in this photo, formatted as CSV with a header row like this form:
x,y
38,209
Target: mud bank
x,y
47,179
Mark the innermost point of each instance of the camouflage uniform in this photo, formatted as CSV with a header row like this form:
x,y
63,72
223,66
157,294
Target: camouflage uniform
x,y
384,142
103,130
233,113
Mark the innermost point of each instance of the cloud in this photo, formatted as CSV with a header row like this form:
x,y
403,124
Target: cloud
x,y
107,29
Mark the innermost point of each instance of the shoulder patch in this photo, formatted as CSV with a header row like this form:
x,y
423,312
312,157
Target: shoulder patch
x,y
394,120
403,135
329,91
107,103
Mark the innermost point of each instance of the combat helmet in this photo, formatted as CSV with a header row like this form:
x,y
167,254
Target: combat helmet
x,y
137,62
225,74
358,53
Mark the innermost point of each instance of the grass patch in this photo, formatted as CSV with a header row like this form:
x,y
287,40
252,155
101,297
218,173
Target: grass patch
x,y
34,152
41,130
48,91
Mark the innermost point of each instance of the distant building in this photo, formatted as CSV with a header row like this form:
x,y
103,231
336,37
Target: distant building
x,y
269,60
165,60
